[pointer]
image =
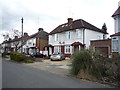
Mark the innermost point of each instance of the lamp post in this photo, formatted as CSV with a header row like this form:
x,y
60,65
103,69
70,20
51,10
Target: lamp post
x,y
22,36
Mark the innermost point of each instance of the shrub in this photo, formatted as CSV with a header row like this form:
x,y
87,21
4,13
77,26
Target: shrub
x,y
29,61
80,60
113,70
17,56
89,64
87,61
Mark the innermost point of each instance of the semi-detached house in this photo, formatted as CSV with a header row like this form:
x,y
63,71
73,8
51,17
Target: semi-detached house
x,y
72,36
36,42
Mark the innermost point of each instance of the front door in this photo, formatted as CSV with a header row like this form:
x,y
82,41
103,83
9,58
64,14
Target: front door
x,y
76,48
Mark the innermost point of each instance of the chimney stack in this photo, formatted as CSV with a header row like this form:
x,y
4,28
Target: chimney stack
x,y
70,20
25,34
40,29
16,37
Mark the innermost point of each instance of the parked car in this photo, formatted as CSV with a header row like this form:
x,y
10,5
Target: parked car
x,y
57,56
37,55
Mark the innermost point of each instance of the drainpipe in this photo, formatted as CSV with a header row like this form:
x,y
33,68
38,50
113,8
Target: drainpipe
x,y
83,35
83,31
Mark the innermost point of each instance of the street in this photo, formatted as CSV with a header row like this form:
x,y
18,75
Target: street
x,y
16,75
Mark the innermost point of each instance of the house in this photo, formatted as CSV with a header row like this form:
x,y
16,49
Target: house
x,y
72,36
36,42
14,45
116,37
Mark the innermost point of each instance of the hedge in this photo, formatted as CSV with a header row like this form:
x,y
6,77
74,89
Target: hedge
x,y
17,56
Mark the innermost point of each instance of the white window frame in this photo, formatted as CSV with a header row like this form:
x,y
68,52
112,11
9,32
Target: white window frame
x,y
114,44
56,37
78,33
50,38
57,49
68,35
68,49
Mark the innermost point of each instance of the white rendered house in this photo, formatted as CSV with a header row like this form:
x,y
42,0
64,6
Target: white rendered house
x,y
74,35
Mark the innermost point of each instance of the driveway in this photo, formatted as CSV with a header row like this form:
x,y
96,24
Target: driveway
x,y
58,67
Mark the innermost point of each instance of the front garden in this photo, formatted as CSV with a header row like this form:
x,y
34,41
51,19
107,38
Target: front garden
x,y
90,65
22,58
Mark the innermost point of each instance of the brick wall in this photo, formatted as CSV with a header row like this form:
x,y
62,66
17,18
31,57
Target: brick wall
x,y
43,43
103,45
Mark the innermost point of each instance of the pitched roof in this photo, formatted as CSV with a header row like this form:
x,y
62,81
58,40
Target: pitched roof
x,y
117,12
40,34
116,34
76,25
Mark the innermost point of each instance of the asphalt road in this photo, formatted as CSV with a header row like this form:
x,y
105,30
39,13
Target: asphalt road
x,y
16,75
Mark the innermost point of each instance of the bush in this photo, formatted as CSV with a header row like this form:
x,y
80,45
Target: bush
x,y
91,65
79,61
113,70
89,62
17,56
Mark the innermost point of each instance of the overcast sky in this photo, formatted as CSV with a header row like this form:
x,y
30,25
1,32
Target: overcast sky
x,y
48,14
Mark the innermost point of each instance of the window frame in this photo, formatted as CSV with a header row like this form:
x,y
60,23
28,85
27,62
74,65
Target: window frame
x,y
68,49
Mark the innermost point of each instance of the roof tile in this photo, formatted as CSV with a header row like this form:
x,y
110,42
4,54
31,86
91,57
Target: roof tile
x,y
76,25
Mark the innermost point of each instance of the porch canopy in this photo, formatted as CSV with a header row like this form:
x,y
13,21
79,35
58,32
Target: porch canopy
x,y
77,43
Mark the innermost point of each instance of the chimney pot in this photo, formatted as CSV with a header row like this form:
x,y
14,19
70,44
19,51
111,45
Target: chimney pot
x,y
40,29
25,34
16,37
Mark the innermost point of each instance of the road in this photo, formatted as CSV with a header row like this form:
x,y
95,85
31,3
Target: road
x,y
22,76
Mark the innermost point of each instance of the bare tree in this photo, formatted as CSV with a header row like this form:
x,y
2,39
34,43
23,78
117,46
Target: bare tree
x,y
17,42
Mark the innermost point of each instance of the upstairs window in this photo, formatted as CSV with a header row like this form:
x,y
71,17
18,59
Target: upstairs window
x,y
50,38
56,37
68,35
78,33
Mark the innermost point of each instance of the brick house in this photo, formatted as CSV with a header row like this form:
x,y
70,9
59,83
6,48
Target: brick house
x,y
36,42
72,36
